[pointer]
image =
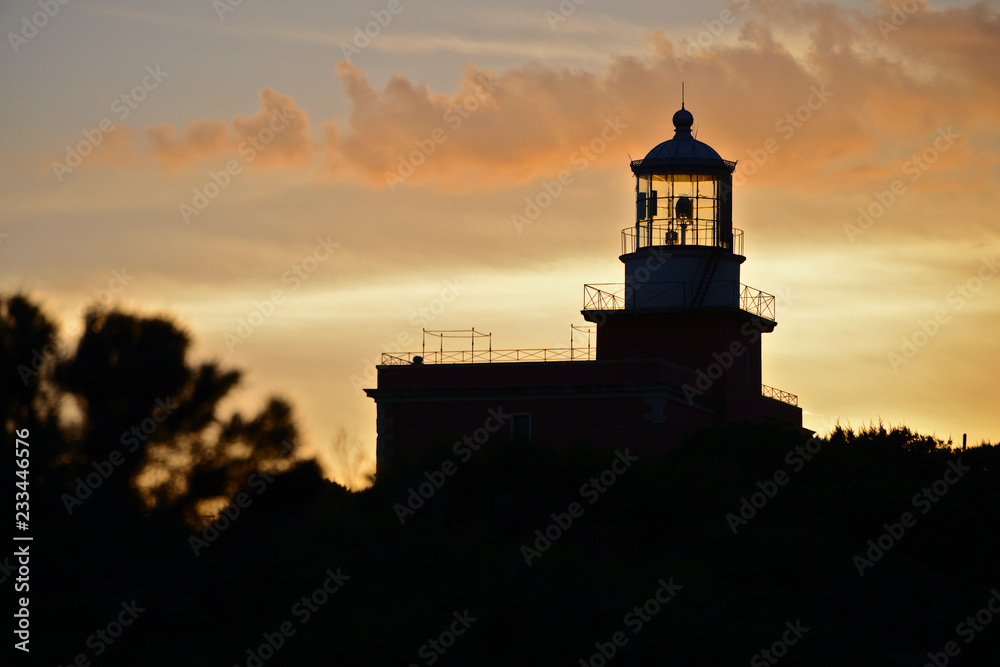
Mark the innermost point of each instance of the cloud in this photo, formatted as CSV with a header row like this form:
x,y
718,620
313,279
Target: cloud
x,y
494,132
201,139
849,103
281,127
278,134
831,96
114,145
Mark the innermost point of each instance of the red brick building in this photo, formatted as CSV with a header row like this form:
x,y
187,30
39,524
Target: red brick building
x,y
678,343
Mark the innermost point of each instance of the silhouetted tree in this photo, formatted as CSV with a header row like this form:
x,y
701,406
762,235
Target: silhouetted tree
x,y
29,350
144,408
896,438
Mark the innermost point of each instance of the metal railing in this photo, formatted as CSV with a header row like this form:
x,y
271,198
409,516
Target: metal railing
x,y
595,298
756,302
488,356
779,395
620,296
700,234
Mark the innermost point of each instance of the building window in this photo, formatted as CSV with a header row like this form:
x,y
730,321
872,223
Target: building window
x,y
520,426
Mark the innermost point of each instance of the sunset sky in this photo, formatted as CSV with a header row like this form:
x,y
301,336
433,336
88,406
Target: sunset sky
x,y
209,160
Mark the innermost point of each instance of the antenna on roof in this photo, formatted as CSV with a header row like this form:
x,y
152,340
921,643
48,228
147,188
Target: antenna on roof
x,y
682,94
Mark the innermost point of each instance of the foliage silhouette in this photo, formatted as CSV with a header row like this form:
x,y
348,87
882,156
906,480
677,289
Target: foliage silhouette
x,y
139,397
665,517
28,351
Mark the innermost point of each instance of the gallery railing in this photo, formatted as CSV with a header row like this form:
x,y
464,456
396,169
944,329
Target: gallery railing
x,y
619,296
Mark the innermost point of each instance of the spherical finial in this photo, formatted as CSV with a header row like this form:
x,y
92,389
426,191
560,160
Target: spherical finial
x,y
683,119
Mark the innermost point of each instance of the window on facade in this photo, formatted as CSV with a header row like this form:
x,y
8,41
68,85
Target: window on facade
x,y
520,425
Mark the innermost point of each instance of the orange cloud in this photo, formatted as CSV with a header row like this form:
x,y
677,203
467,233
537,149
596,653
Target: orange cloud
x,y
835,97
279,132
276,135
869,90
118,148
107,144
200,140
493,132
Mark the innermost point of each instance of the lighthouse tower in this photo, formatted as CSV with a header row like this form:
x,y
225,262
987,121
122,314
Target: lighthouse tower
x,y
682,304
678,343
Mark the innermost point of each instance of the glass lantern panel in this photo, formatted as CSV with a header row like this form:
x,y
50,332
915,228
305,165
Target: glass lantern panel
x,y
677,209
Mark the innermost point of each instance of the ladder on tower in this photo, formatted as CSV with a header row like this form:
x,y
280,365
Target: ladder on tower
x,y
710,262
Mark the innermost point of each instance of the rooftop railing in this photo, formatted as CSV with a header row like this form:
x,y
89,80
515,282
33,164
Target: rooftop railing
x,y
779,395
487,356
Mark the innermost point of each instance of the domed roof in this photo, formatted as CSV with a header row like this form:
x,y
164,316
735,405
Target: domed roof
x,y
683,150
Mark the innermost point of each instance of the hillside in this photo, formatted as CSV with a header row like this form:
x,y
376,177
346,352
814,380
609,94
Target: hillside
x,y
531,556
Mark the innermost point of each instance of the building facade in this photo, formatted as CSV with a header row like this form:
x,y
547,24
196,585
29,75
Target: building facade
x,y
678,343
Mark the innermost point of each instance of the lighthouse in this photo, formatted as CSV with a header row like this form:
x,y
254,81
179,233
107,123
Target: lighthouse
x,y
682,300
684,209
678,343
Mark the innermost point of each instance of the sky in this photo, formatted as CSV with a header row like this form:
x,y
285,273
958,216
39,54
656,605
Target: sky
x,y
305,185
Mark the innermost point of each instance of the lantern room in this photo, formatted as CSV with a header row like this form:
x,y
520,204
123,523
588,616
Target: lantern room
x,y
683,194
682,251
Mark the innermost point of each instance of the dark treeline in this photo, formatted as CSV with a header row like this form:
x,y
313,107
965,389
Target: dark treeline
x,y
747,544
